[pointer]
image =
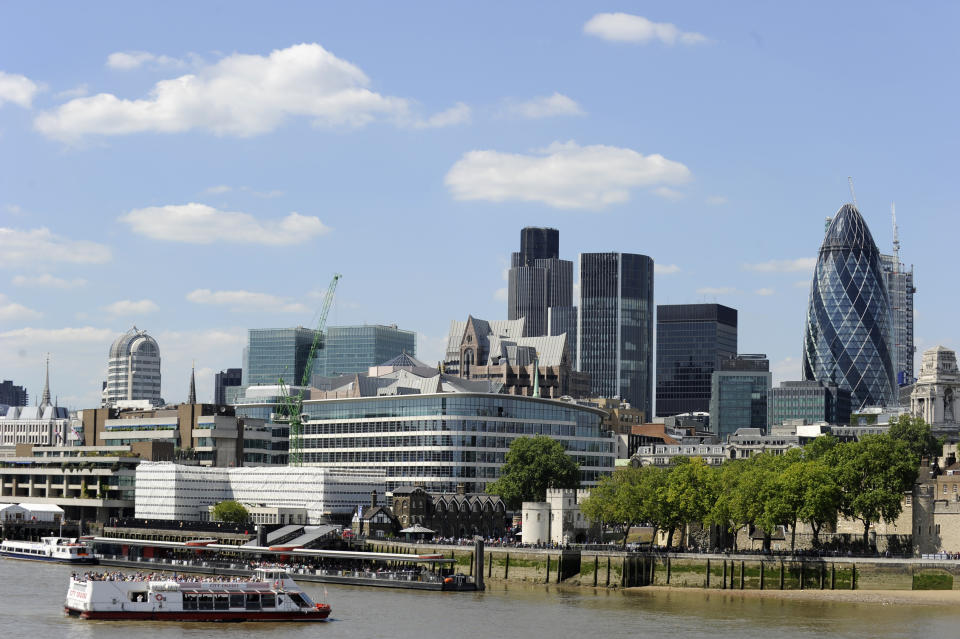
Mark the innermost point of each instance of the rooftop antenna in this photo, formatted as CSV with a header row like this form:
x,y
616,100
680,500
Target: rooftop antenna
x,y
852,194
896,238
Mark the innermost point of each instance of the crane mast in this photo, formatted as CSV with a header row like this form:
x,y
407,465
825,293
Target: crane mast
x,y
292,404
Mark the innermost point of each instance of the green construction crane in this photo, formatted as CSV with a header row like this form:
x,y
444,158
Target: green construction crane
x,y
292,407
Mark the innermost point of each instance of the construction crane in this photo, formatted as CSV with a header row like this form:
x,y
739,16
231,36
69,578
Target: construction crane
x,y
853,195
292,407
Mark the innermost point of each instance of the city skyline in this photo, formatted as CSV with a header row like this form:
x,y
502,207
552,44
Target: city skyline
x,y
702,137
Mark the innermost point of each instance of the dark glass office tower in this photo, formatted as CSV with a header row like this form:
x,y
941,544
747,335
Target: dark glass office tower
x,y
223,380
538,280
273,353
692,340
847,339
615,326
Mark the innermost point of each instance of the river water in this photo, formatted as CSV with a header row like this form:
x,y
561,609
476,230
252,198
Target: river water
x,y
32,596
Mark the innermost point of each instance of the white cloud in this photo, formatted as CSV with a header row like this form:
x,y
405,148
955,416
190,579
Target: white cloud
x,y
76,92
243,95
127,60
716,200
15,209
40,246
764,292
246,301
787,369
17,89
14,311
625,27
47,281
668,194
457,114
543,107
201,224
217,190
722,290
783,266
131,307
500,294
67,335
212,350
665,269
564,175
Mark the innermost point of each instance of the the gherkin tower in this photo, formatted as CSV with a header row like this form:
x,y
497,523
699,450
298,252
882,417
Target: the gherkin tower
x,y
847,336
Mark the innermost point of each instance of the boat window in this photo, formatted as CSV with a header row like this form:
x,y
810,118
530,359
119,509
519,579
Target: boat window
x,y
189,602
206,602
221,602
268,600
237,601
137,595
297,599
253,602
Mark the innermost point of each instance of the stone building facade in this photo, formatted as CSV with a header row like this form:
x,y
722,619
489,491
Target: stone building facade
x,y
936,394
458,514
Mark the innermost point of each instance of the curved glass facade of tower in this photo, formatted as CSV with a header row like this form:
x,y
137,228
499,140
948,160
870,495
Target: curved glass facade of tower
x,y
847,336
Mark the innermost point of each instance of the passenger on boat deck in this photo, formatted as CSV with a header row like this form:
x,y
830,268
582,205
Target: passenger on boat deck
x,y
121,576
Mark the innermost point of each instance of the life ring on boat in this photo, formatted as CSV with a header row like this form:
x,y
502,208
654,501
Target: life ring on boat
x,y
159,597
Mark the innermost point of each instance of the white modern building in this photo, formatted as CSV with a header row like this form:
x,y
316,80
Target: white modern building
x,y
133,370
48,426
165,490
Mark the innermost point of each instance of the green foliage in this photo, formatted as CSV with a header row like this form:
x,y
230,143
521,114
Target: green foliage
x,y
873,474
230,511
628,497
918,437
534,464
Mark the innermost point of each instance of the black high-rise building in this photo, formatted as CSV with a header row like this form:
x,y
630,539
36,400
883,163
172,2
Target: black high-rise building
x,y
615,326
692,340
12,395
223,379
538,281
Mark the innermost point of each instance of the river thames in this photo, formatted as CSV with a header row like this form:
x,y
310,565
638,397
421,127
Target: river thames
x,y
32,597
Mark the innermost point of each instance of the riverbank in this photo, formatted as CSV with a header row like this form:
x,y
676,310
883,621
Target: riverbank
x,y
883,597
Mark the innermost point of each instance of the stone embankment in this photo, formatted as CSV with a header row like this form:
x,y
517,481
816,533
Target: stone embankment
x,y
612,569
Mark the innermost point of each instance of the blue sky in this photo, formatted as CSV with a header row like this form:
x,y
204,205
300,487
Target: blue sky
x,y
202,168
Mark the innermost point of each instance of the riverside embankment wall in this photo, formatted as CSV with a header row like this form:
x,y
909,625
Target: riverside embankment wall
x,y
610,569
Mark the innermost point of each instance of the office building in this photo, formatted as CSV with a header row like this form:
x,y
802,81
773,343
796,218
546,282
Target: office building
x,y
900,291
808,401
204,434
615,326
847,337
539,280
11,394
439,431
692,340
354,349
275,353
133,370
171,491
225,379
738,396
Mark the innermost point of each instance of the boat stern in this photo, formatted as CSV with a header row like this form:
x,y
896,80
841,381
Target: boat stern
x,y
78,597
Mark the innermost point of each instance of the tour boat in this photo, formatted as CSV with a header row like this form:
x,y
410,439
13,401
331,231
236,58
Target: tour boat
x,y
270,595
59,549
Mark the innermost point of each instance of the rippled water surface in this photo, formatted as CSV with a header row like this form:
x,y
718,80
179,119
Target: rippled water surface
x,y
32,595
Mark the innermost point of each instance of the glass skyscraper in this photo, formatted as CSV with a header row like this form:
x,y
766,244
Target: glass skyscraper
x,y
692,340
738,397
615,326
539,280
273,353
847,338
354,349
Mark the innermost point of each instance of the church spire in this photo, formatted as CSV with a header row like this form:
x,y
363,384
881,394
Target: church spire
x,y
192,398
45,398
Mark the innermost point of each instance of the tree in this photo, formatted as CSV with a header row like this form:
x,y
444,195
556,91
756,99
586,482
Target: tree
x,y
628,497
230,511
873,474
688,494
803,490
918,437
534,464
